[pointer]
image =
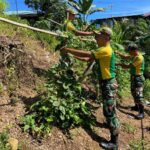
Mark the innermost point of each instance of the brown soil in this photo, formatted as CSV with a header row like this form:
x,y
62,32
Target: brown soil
x,y
80,138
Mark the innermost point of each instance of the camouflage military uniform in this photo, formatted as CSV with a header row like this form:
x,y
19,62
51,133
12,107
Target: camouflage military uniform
x,y
105,59
109,92
137,83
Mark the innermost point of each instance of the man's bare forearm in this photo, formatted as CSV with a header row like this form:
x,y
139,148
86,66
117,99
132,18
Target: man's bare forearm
x,y
123,56
83,58
82,33
78,53
125,66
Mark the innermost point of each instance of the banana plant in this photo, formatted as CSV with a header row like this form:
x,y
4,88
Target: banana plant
x,y
84,8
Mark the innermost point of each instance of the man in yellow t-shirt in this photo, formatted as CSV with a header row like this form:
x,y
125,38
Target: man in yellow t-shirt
x,y
105,58
137,78
70,27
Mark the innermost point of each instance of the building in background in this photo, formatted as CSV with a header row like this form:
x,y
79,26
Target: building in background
x,y
18,7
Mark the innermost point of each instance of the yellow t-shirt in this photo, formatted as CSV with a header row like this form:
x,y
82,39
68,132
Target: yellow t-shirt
x,y
138,65
69,26
105,58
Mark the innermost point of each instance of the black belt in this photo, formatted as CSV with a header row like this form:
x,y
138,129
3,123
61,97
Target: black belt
x,y
136,75
106,80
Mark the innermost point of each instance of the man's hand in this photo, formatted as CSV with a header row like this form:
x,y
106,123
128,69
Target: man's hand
x,y
116,52
63,50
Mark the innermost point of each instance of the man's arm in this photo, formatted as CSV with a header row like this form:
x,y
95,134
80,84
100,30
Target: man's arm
x,y
84,58
78,53
125,66
83,33
122,55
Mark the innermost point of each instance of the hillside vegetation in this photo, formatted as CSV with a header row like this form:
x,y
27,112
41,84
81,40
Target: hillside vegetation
x,y
42,96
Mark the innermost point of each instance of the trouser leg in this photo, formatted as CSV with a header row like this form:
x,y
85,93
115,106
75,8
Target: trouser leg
x,y
109,109
137,84
112,120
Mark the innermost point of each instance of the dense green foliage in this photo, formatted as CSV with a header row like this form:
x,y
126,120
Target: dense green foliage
x,y
146,90
63,104
138,145
4,140
3,6
134,31
53,9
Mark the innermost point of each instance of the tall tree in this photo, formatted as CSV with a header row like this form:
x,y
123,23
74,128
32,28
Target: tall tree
x,y
3,6
54,9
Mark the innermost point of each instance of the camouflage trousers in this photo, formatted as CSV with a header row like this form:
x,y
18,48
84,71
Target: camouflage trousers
x,y
109,92
137,83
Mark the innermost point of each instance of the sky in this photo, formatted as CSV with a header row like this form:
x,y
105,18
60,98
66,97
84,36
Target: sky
x,y
113,7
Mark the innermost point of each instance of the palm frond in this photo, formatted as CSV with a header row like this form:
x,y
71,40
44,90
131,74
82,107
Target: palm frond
x,y
74,5
96,10
85,5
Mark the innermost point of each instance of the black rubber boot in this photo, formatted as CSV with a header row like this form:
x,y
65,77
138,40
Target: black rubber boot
x,y
114,139
109,146
112,144
135,108
141,112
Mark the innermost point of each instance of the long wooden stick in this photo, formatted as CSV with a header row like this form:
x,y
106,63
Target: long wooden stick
x,y
39,30
87,70
29,27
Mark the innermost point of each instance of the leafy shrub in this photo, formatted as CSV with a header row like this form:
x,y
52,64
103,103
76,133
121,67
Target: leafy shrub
x,y
3,6
3,141
128,128
63,104
137,145
123,79
1,87
146,90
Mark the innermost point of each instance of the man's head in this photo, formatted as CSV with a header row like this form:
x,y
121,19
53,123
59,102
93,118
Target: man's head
x,y
132,49
71,13
103,36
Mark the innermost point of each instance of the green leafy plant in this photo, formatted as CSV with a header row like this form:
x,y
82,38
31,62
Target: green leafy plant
x,y
3,141
1,87
128,128
63,104
138,145
146,90
3,6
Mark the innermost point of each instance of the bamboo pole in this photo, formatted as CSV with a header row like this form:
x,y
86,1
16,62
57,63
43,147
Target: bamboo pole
x,y
29,27
39,30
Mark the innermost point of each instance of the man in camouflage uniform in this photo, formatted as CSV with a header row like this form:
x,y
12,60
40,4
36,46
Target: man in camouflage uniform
x,y
105,58
137,78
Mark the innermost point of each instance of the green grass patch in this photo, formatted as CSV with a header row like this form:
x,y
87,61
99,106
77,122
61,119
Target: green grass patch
x,y
128,128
